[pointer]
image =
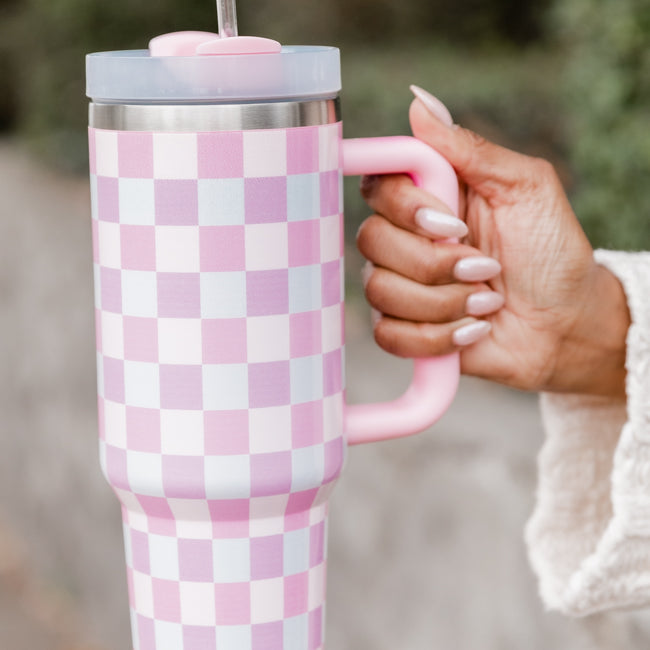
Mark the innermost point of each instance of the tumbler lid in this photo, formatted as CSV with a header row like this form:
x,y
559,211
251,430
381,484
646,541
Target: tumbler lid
x,y
238,69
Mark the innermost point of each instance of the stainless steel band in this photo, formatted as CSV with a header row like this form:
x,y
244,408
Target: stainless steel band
x,y
213,117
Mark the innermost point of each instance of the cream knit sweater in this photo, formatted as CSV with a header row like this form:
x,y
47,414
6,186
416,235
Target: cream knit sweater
x,y
589,536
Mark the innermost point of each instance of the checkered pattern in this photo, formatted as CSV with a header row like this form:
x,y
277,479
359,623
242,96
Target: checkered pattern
x,y
219,311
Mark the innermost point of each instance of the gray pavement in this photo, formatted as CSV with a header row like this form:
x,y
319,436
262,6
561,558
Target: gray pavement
x,y
425,544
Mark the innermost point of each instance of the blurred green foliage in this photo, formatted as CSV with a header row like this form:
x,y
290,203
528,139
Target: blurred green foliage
x,y
44,41
565,79
606,90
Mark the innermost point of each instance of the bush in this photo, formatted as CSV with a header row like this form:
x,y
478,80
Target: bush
x,y
607,97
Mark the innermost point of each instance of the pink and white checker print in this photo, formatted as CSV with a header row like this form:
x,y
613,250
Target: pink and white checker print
x,y
219,310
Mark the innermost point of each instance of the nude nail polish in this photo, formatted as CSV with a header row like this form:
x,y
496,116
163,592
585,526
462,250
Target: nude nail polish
x,y
440,224
483,302
476,269
433,105
471,333
366,271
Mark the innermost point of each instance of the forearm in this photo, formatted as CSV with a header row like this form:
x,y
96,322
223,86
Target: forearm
x,y
591,358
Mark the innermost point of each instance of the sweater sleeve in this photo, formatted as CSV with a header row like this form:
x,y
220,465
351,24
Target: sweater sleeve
x,y
589,535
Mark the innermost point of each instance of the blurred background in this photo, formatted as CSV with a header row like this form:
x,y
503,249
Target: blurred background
x,y
426,543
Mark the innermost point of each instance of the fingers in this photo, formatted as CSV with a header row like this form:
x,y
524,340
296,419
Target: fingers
x,y
408,339
478,162
425,294
410,207
420,259
394,295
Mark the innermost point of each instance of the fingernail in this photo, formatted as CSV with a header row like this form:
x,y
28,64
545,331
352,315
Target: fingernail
x,y
439,223
476,269
433,105
375,317
366,272
484,302
471,333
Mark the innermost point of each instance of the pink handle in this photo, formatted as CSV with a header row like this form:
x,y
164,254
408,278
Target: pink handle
x,y
435,381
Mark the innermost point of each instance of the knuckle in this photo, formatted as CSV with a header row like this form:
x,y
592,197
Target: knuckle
x,y
386,193
539,174
452,307
402,191
434,340
474,143
427,268
404,201
475,139
544,169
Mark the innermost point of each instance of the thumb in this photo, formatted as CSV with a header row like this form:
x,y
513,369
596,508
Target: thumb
x,y
477,161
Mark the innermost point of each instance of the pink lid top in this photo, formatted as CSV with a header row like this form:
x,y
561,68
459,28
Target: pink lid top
x,y
204,43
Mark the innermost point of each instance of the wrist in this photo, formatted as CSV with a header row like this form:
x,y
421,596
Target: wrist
x,y
591,355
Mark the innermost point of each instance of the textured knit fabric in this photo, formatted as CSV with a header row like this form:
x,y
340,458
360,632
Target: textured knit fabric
x,y
589,536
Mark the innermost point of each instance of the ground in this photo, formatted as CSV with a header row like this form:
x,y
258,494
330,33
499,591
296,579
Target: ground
x,y
425,545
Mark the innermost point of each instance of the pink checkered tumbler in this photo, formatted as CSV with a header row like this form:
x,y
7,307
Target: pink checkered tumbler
x,y
218,259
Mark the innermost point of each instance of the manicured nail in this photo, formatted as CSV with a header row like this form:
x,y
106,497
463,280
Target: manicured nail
x,y
433,105
483,302
440,224
366,272
471,333
476,269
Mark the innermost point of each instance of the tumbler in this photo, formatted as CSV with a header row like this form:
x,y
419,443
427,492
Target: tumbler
x,y
216,174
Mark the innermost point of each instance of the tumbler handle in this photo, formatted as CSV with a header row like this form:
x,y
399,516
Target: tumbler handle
x,y
435,380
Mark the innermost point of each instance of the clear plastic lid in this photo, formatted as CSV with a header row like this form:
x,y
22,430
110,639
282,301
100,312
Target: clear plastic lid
x,y
134,76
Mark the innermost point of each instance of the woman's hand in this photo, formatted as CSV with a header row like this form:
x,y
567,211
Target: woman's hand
x,y
552,319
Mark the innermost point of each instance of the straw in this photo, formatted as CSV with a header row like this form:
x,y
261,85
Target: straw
x,y
227,16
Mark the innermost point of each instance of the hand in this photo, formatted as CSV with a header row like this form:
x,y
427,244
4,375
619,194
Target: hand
x,y
553,319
